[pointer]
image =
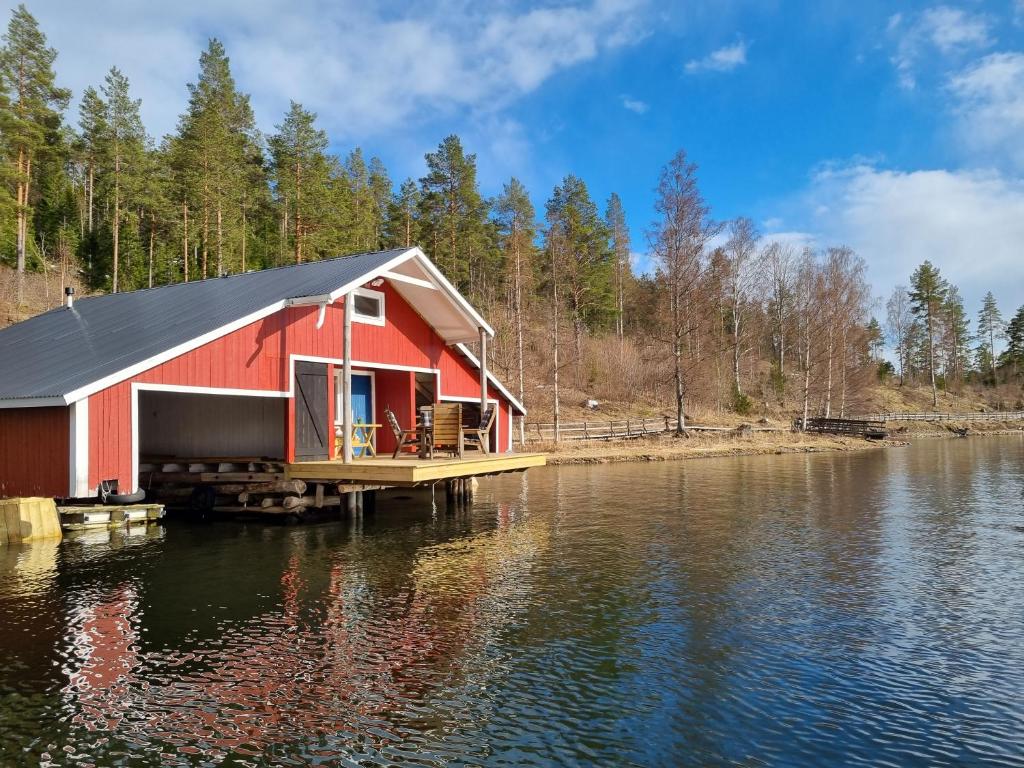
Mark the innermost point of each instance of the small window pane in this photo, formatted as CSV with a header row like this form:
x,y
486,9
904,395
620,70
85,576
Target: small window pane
x,y
368,306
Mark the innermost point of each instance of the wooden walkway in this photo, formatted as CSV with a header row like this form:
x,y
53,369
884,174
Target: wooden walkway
x,y
981,416
405,471
871,429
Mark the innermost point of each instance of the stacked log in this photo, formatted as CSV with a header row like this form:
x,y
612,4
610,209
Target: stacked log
x,y
244,487
224,485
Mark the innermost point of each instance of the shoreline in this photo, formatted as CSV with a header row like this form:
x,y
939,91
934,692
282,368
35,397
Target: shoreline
x,y
672,448
667,447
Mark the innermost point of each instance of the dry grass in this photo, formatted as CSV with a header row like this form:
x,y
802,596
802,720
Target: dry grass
x,y
39,292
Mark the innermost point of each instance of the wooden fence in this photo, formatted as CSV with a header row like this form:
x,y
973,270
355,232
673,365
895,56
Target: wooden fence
x,y
614,429
536,432
986,416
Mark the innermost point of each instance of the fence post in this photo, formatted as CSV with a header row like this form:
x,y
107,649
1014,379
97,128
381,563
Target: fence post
x,y
586,431
666,424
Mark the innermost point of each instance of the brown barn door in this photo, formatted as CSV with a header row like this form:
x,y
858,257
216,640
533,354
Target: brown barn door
x,y
311,428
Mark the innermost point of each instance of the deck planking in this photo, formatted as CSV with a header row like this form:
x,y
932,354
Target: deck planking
x,y
410,470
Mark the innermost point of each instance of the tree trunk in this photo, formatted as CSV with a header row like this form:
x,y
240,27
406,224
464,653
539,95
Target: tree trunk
x,y
22,204
807,373
184,242
91,183
828,383
117,217
244,236
220,239
677,359
152,238
518,309
931,359
298,213
554,315
736,346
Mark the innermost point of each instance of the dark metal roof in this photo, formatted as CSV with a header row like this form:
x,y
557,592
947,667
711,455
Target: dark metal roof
x,y
62,350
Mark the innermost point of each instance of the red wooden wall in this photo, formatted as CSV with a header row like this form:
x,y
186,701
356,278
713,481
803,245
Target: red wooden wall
x,y
256,357
34,448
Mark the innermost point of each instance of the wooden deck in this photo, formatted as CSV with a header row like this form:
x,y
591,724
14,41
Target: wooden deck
x,y
410,470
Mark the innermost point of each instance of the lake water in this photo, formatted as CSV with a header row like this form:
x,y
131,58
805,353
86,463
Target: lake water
x,y
831,609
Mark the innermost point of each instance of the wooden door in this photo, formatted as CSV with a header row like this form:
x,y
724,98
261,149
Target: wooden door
x,y
312,432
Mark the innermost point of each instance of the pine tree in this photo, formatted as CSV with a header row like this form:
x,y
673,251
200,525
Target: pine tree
x,y
615,219
215,143
301,178
927,293
957,332
990,327
454,217
402,226
588,269
92,121
30,111
1013,355
517,229
875,339
123,156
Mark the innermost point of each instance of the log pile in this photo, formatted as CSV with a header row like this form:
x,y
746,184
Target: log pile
x,y
235,486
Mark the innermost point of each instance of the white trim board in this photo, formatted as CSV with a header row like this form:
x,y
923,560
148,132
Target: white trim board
x,y
78,447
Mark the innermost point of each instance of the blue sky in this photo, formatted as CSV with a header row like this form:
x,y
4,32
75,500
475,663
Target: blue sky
x,y
895,129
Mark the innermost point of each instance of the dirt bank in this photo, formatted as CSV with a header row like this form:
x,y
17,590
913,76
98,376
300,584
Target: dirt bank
x,y
698,446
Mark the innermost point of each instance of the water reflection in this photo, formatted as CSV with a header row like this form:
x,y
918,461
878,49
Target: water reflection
x,y
782,610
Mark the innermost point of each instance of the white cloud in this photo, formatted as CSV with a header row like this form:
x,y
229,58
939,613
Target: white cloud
x,y
942,29
363,68
990,106
725,59
969,224
635,105
795,239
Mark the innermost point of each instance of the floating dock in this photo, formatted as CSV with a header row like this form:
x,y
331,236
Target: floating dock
x,y
82,517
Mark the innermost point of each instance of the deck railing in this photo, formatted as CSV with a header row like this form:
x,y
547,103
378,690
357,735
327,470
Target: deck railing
x,y
982,416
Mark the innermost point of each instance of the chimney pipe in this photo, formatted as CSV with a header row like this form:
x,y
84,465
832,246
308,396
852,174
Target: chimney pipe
x,y
69,297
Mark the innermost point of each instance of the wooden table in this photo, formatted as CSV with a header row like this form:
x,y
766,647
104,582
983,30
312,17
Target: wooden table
x,y
362,438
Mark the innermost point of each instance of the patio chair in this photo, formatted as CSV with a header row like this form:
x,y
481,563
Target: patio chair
x,y
480,437
446,431
403,437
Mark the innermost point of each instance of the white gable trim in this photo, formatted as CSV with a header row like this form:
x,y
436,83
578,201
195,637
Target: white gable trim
x,y
491,378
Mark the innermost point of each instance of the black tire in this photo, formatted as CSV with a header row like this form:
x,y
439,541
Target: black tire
x,y
203,499
125,498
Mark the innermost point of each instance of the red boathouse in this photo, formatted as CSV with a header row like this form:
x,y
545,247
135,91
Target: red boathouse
x,y
244,365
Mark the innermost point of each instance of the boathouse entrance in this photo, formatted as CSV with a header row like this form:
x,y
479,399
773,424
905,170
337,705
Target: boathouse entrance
x,y
179,424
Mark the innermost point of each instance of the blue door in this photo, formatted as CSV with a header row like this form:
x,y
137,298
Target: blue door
x,y
362,403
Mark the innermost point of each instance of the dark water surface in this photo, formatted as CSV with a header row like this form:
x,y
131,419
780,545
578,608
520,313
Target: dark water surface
x,y
787,610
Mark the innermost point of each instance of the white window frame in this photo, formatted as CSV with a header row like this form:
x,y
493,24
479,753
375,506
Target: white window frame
x,y
369,293
339,392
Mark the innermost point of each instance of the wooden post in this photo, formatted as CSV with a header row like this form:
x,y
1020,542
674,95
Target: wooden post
x,y
483,372
346,389
350,504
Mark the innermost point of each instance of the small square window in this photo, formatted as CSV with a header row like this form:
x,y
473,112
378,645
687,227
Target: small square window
x,y
368,306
